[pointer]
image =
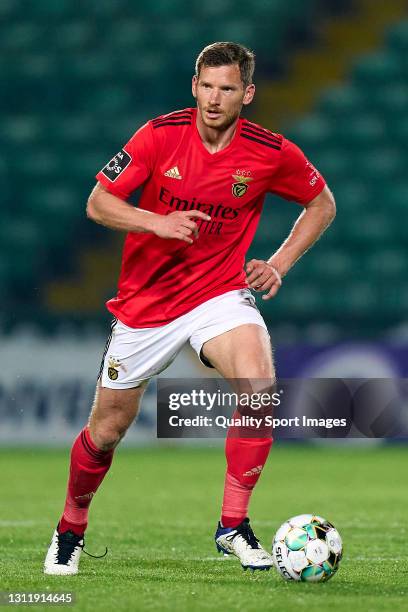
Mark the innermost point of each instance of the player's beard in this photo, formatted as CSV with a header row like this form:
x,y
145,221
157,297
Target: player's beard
x,y
221,123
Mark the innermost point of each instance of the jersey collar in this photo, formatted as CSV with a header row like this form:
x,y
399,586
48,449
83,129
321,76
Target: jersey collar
x,y
204,150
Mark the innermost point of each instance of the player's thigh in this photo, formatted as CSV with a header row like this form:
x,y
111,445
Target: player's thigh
x,y
113,411
243,352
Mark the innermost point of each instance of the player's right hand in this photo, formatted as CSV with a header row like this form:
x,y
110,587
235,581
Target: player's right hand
x,y
179,225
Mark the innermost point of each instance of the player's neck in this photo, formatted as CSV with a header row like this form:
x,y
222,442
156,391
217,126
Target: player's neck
x,y
215,140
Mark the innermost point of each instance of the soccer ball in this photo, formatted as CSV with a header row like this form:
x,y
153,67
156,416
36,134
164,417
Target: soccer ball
x,y
307,548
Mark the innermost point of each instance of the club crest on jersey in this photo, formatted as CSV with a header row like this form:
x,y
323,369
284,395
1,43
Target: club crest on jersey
x,y
242,179
113,366
117,165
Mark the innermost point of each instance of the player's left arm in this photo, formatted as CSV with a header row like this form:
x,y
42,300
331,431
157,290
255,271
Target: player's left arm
x,y
311,223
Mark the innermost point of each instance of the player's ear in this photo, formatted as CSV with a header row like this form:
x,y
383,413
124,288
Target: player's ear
x,y
194,86
249,94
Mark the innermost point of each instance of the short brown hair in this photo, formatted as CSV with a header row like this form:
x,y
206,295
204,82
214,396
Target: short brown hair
x,y
225,54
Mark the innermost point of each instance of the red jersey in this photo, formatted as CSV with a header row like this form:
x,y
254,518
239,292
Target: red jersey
x,y
163,279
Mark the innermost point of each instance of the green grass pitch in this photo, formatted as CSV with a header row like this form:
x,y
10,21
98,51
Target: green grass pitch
x,y
157,512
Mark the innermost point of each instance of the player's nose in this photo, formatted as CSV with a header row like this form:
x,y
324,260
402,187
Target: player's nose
x,y
215,97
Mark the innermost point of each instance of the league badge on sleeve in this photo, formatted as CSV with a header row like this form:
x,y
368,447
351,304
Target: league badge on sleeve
x,y
117,165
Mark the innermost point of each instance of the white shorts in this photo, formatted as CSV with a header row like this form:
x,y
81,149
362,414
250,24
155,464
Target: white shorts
x,y
134,355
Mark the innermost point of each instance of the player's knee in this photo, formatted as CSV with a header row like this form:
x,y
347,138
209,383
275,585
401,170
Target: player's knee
x,y
107,438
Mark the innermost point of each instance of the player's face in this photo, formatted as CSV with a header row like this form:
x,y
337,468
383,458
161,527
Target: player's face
x,y
220,95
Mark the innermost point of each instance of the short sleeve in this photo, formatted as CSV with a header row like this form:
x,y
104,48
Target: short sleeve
x,y
296,179
130,168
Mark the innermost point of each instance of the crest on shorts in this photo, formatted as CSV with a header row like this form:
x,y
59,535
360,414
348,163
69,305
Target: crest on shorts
x,y
113,366
240,188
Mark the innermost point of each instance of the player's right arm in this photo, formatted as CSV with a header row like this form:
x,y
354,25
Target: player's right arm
x,y
122,175
107,209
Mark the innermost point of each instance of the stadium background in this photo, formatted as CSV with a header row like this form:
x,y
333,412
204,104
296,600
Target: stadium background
x,y
332,76
77,80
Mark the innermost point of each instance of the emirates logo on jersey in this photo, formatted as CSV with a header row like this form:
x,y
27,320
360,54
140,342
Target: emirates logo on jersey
x,y
217,211
240,187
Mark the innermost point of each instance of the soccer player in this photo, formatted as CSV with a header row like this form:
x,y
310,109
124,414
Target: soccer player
x,y
204,173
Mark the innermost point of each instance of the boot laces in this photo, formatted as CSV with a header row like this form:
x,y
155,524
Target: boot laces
x,y
244,530
67,543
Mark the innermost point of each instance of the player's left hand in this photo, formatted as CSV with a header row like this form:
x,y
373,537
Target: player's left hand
x,y
262,276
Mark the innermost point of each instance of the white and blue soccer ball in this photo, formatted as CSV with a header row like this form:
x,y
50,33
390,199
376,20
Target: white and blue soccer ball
x,y
307,548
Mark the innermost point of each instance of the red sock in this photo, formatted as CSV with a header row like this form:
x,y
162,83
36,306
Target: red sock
x,y
88,467
246,457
